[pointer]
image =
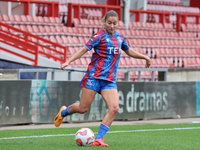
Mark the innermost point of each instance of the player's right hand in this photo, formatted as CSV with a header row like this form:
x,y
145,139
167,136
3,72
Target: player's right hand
x,y
62,67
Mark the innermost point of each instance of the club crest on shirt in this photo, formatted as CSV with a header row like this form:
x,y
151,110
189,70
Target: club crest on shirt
x,y
107,40
119,39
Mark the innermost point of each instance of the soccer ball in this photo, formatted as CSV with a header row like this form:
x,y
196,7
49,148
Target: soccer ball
x,y
84,137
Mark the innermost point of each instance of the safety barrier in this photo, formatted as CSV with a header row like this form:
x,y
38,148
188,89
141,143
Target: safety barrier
x,y
24,40
53,7
70,70
182,19
77,8
163,16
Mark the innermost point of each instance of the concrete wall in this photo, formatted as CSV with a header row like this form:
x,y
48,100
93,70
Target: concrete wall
x,y
8,74
183,75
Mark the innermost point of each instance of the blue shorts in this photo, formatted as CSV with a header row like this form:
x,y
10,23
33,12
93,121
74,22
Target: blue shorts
x,y
97,84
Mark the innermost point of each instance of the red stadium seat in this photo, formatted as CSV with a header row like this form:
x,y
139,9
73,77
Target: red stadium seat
x,y
42,30
80,32
86,32
81,40
30,19
121,25
41,20
18,19
12,19
47,21
134,75
48,30
65,30
65,40
30,29
76,22
5,19
23,28
70,41
35,20
55,21
71,31
71,51
59,39
59,30
53,30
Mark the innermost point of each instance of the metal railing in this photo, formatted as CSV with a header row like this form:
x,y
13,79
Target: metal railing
x,y
70,70
127,72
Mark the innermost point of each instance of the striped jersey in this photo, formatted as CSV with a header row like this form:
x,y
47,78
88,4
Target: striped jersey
x,y
105,59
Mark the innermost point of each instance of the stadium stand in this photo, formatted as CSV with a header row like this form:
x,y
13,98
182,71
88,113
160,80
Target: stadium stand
x,y
172,6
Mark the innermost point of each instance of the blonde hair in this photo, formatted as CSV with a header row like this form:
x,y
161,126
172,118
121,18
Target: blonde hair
x,y
110,13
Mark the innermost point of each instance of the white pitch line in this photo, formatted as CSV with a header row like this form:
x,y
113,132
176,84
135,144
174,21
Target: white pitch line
x,y
128,131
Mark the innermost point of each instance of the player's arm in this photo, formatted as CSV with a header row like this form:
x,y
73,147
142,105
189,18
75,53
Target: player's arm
x,y
132,53
77,55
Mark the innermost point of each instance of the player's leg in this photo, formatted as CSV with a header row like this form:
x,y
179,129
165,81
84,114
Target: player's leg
x,y
112,100
87,97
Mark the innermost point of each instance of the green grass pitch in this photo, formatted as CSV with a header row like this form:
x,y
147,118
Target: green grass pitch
x,y
134,137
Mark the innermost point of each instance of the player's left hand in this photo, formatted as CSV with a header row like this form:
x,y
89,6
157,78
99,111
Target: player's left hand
x,y
148,62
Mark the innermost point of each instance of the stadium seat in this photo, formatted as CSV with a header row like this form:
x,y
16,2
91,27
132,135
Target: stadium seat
x,y
122,63
36,30
71,31
76,22
121,25
80,32
48,30
30,29
5,19
12,20
59,30
41,20
81,40
65,40
120,76
59,40
55,21
30,20
35,20
87,32
47,21
53,30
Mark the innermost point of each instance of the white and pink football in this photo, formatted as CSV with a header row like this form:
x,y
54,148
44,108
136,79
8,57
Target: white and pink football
x,y
84,137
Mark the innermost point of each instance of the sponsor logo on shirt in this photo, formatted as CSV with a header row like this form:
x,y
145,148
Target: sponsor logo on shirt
x,y
114,49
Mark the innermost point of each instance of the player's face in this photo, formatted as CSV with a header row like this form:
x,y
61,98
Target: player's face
x,y
111,24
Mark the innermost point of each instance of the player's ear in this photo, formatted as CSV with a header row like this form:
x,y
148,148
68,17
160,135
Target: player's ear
x,y
103,23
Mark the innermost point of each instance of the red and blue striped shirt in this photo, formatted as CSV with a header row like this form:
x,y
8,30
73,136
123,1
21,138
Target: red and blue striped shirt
x,y
105,59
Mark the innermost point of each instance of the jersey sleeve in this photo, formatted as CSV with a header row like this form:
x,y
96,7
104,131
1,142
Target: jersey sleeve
x,y
94,41
125,46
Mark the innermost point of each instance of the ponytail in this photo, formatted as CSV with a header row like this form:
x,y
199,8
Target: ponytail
x,y
110,13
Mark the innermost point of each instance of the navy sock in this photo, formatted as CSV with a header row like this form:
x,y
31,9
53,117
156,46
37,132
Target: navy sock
x,y
65,112
102,131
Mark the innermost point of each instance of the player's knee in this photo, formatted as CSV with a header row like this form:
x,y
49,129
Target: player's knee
x,y
83,110
115,109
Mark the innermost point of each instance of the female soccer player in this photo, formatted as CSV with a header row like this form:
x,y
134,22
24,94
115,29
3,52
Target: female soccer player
x,y
101,74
